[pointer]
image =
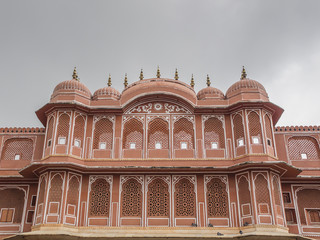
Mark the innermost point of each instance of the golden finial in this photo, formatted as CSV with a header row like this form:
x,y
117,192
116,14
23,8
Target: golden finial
x,y
75,75
125,81
176,76
158,73
208,81
109,81
192,82
141,74
243,74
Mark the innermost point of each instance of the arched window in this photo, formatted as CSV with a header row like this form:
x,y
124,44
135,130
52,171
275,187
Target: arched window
x,y
255,128
213,134
131,199
17,149
158,134
63,129
11,205
245,199
303,147
268,130
217,198
262,195
78,133
185,198
183,134
73,196
55,194
103,134
238,130
99,198
309,206
133,134
50,130
158,198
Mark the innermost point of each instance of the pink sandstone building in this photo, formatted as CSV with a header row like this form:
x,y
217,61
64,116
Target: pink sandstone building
x,y
160,161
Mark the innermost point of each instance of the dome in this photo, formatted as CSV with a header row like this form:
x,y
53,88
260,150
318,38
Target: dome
x,y
106,93
71,86
246,85
158,86
210,92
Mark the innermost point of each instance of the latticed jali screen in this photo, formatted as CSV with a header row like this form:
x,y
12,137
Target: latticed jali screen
x,y
73,192
103,133
133,133
268,128
158,198
244,196
254,126
42,190
298,145
12,199
262,194
14,146
238,127
131,199
217,198
308,199
184,198
99,198
55,191
79,129
158,132
63,126
213,132
50,131
277,194
183,132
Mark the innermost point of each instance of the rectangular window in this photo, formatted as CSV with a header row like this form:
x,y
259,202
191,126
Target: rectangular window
x,y
17,157
214,145
77,143
33,201
158,145
290,216
255,140
240,142
49,142
286,197
314,215
62,140
102,145
30,216
132,145
7,215
269,142
184,145
304,156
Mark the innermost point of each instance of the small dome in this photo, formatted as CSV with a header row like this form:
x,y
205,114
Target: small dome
x,y
210,92
106,93
246,85
71,86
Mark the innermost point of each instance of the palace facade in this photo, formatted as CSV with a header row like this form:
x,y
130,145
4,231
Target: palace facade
x,y
160,161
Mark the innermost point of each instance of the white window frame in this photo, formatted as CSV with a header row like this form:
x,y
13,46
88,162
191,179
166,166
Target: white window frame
x,y
157,145
255,140
132,145
304,156
102,145
240,142
77,141
61,139
214,145
17,157
182,144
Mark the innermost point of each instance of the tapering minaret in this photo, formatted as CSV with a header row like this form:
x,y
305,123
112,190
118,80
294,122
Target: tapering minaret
x,y
141,74
243,73
176,76
125,83
192,82
75,74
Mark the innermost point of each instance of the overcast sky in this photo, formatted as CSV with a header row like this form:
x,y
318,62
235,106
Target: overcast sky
x,y
277,41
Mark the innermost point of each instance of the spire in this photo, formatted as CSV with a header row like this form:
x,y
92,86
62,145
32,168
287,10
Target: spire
x,y
243,73
192,82
125,81
158,73
176,76
109,81
208,81
75,74
141,74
